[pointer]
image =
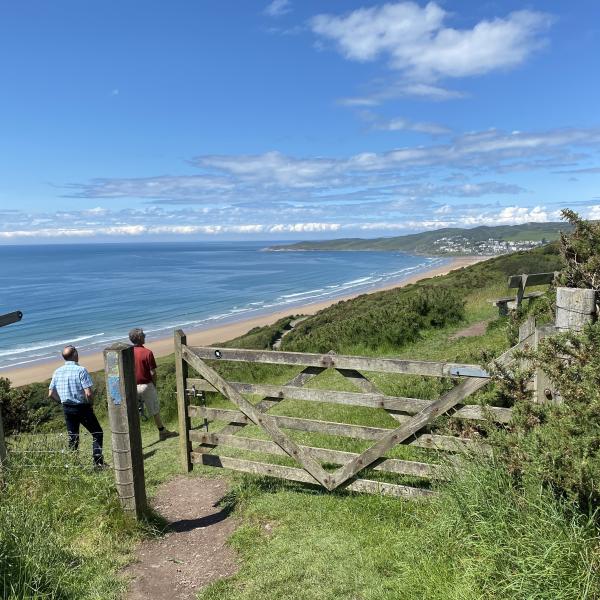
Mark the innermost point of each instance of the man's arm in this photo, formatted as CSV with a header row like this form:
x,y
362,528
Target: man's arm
x,y
152,367
52,393
87,384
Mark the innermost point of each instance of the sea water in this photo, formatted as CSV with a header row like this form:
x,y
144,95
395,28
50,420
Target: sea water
x,y
91,295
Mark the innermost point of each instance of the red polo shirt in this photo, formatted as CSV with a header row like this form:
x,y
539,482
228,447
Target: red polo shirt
x,y
144,363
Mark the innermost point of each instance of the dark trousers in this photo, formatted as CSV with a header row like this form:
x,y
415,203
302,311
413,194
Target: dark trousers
x,y
83,414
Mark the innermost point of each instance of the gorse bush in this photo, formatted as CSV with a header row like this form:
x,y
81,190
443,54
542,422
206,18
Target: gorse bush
x,y
386,318
558,444
580,250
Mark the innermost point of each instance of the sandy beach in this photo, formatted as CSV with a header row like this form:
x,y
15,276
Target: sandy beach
x,y
164,346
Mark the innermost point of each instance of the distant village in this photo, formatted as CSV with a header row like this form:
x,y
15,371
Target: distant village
x,y
458,244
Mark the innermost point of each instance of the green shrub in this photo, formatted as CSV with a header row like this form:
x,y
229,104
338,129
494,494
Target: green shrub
x,y
580,249
558,444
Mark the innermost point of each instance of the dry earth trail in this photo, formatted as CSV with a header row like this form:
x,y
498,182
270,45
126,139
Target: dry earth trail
x,y
194,552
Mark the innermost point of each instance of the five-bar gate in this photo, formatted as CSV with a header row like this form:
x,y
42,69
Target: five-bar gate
x,y
413,416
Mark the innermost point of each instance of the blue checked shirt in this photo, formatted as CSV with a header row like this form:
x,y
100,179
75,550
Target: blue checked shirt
x,y
69,381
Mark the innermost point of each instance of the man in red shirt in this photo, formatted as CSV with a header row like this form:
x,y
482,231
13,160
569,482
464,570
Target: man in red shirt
x,y
145,378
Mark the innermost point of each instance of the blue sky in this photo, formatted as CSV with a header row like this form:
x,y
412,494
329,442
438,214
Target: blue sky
x,y
273,120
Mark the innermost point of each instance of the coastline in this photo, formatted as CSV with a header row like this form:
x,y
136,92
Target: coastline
x,y
164,346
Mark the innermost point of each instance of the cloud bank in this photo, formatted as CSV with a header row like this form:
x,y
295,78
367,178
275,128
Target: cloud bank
x,y
417,43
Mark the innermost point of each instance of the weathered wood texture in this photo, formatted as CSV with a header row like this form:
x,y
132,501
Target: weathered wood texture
x,y
398,403
2,441
339,457
531,279
413,415
295,474
574,308
543,390
181,374
358,432
124,419
521,282
328,361
265,421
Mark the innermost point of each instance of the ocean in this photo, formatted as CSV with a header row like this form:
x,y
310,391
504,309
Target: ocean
x,y
91,295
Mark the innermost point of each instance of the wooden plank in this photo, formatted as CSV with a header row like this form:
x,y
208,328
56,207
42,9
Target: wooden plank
x,y
398,435
270,400
397,403
574,308
360,432
328,361
514,281
388,465
426,416
261,419
450,443
295,474
181,375
2,442
543,390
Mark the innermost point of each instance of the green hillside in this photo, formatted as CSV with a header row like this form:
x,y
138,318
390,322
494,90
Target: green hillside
x,y
508,528
424,242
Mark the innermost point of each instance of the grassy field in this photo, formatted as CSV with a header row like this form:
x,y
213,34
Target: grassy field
x,y
62,534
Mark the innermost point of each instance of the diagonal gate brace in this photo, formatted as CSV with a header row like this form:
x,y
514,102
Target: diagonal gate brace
x,y
261,419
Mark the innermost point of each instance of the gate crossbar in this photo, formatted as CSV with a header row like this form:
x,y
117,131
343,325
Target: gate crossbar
x,y
413,414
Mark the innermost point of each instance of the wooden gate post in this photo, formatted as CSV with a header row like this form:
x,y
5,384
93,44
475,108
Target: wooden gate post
x,y
574,308
542,386
124,418
2,442
181,374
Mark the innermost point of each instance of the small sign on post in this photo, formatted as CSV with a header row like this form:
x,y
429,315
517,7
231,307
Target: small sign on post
x,y
124,418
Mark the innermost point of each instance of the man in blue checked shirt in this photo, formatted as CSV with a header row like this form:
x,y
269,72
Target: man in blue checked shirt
x,y
71,385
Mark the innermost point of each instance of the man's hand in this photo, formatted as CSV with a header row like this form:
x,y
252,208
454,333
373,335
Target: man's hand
x,y
153,376
53,394
89,394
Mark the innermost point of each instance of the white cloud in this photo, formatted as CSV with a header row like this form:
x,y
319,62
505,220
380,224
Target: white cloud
x,y
262,180
594,212
426,90
416,42
278,8
401,124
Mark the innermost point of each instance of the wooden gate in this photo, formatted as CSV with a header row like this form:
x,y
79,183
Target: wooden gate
x,y
413,416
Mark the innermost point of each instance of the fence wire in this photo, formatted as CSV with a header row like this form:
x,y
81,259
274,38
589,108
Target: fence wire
x,y
48,453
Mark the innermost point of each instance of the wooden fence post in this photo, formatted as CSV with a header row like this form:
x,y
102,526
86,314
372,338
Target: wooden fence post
x,y
124,418
542,386
181,373
574,308
2,442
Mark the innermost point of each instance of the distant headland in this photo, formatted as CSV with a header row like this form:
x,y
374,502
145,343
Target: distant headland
x,y
477,241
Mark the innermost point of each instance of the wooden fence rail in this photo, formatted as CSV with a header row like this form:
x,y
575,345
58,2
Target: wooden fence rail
x,y
329,467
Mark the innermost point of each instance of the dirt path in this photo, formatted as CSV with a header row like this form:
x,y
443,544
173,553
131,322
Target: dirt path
x,y
474,330
194,554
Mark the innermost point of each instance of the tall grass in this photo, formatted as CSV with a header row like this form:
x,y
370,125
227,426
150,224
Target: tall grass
x,y
62,531
482,538
488,538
